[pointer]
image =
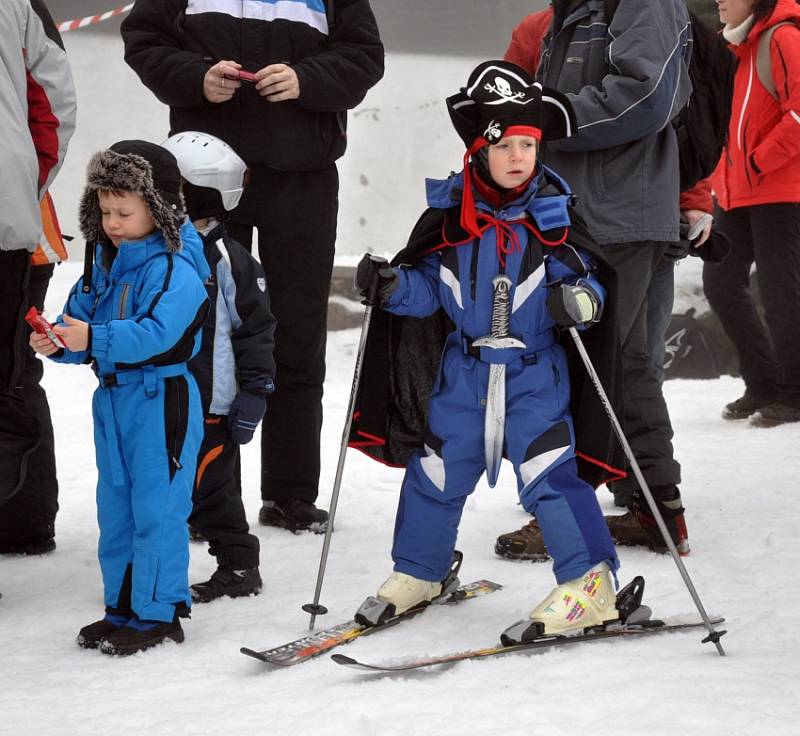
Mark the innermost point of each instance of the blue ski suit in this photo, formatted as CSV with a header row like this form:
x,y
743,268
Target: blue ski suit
x,y
539,436
145,313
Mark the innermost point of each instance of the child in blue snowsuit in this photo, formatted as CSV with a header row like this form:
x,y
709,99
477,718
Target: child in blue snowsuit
x,y
508,284
136,319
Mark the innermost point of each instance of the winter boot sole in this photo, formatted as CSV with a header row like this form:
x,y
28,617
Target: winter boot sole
x,y
124,650
199,597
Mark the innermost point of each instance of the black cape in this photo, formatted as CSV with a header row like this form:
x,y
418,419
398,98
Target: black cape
x,y
402,356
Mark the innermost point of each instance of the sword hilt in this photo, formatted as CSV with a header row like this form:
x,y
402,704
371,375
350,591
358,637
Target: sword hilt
x,y
501,306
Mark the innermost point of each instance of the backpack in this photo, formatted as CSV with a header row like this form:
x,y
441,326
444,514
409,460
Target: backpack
x,y
702,125
687,351
697,346
763,60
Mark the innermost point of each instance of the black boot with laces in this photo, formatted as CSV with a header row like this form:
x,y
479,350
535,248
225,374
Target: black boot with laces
x,y
227,582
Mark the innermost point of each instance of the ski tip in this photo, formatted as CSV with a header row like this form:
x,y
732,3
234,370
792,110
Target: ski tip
x,y
343,659
252,653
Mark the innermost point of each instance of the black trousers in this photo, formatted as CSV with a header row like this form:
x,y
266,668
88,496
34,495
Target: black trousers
x,y
30,513
769,236
218,512
645,418
295,215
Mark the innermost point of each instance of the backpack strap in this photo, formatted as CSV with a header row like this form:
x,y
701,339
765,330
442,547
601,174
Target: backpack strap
x,y
763,60
329,15
611,8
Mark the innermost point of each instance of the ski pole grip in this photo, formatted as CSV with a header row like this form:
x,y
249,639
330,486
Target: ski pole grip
x,y
372,297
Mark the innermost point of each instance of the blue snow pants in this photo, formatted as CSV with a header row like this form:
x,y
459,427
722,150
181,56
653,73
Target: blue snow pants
x,y
147,431
539,442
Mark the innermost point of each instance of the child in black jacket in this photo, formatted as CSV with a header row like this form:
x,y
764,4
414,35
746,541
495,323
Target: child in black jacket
x,y
234,368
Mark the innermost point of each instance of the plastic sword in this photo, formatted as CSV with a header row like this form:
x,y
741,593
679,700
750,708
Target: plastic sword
x,y
499,339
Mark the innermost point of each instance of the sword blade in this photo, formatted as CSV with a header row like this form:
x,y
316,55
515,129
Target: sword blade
x,y
495,422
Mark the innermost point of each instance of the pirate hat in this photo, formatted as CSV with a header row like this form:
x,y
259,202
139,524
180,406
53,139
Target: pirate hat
x,y
499,95
501,98
142,168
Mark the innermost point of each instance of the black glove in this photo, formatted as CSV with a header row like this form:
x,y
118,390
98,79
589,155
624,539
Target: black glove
x,y
246,411
375,272
573,305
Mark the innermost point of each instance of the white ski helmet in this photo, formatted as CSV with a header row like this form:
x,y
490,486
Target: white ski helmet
x,y
207,161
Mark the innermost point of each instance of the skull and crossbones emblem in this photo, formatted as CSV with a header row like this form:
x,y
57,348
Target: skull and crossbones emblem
x,y
502,88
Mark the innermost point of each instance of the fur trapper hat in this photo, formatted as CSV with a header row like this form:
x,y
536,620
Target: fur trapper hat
x,y
142,168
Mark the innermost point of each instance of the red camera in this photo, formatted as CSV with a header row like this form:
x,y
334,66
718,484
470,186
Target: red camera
x,y
39,324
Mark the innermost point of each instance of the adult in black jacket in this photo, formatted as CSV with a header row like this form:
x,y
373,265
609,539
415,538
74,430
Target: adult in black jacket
x,y
311,61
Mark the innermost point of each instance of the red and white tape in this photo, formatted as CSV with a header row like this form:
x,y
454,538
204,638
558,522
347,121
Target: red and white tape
x,y
73,25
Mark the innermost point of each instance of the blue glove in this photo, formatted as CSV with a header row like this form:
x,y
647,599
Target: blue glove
x,y
246,411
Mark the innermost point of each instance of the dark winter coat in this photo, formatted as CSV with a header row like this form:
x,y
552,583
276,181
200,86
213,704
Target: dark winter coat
x,y
239,330
403,355
172,43
626,80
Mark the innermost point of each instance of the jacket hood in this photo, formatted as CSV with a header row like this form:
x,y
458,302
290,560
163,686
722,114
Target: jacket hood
x,y
133,255
547,198
192,250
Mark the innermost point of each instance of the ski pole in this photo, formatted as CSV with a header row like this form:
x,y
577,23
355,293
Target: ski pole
x,y
315,609
713,634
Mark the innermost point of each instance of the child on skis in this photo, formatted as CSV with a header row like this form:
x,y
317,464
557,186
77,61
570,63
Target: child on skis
x,y
135,316
235,366
503,385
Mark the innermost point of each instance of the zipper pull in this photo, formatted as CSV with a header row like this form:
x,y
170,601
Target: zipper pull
x,y
176,463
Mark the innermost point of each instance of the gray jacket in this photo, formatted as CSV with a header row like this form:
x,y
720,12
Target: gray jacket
x,y
626,82
37,119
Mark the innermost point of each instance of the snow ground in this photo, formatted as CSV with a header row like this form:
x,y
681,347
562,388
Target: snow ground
x,y
740,488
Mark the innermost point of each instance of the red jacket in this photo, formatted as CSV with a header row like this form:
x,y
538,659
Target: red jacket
x,y
761,163
525,50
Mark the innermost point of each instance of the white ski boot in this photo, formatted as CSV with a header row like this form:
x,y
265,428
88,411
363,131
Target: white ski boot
x,y
571,607
398,594
401,592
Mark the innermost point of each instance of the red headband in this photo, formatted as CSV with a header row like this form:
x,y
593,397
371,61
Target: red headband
x,y
469,220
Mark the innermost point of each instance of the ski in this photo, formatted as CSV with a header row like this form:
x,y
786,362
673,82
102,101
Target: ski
x,y
323,641
621,630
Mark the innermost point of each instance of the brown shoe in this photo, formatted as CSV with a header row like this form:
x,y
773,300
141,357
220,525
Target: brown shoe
x,y
524,544
638,528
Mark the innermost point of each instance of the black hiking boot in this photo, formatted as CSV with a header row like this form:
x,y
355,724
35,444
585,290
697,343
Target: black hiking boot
x,y
524,544
227,582
744,406
138,635
775,414
90,636
293,514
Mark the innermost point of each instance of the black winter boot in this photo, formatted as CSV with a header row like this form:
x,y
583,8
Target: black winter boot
x,y
139,634
293,514
90,636
744,406
28,546
225,581
775,414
